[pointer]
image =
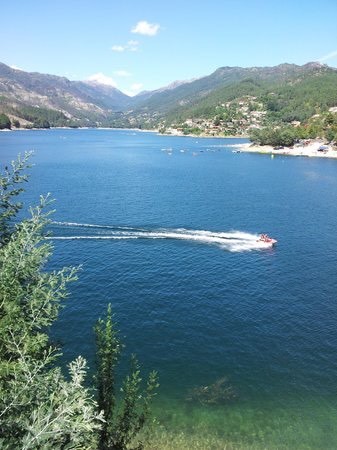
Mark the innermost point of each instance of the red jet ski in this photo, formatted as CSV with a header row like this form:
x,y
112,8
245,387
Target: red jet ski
x,y
267,240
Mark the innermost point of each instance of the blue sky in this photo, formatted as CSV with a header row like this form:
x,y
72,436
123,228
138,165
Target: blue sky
x,y
144,45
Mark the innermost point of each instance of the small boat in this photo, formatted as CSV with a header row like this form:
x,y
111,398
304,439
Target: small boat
x,y
267,240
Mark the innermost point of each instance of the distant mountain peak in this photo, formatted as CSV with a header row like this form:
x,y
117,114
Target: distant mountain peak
x,y
314,65
168,87
101,79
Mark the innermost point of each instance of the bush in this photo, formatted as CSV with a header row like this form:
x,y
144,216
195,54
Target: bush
x,y
5,122
283,136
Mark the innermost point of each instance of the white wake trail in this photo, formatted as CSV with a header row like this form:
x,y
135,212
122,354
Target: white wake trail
x,y
233,241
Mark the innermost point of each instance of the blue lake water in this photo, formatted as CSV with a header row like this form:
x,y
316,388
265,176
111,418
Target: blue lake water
x,y
164,228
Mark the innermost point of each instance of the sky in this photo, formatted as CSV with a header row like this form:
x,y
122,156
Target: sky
x,y
147,44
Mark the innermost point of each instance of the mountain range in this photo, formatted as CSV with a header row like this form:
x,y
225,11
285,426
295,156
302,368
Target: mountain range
x,y
229,100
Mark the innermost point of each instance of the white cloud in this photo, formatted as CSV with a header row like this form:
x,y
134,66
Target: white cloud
x,y
102,79
330,55
118,48
15,67
122,73
135,88
146,28
130,46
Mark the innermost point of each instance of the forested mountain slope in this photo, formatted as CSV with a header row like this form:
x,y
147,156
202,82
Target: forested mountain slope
x,y
230,101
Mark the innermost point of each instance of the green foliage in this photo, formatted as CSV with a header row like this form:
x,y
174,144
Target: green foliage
x,y
5,122
10,188
191,130
39,408
135,410
302,99
282,136
41,123
128,417
41,117
323,126
331,135
284,94
330,127
44,410
107,354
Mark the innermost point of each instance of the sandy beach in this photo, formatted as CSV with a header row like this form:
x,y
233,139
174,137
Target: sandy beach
x,y
312,148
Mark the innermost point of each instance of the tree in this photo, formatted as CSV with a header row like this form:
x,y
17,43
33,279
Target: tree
x,y
41,123
284,136
107,354
126,418
331,134
10,187
39,407
5,122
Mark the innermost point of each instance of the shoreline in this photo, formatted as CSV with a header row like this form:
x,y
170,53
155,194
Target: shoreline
x,y
156,131
78,128
310,149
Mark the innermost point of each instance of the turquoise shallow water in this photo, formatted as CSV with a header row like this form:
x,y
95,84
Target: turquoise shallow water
x,y
165,230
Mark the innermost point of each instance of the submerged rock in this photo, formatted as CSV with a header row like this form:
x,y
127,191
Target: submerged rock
x,y
217,393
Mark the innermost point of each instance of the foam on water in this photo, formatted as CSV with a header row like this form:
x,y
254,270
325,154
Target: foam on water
x,y
233,241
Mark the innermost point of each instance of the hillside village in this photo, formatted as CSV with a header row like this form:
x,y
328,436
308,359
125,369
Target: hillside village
x,y
235,118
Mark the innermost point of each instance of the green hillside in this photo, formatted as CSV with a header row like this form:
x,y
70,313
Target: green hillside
x,y
284,89
232,101
276,99
31,99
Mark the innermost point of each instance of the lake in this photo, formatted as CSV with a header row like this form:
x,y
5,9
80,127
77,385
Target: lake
x,y
165,229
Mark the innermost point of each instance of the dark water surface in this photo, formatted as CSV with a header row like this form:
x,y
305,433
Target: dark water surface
x,y
165,228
